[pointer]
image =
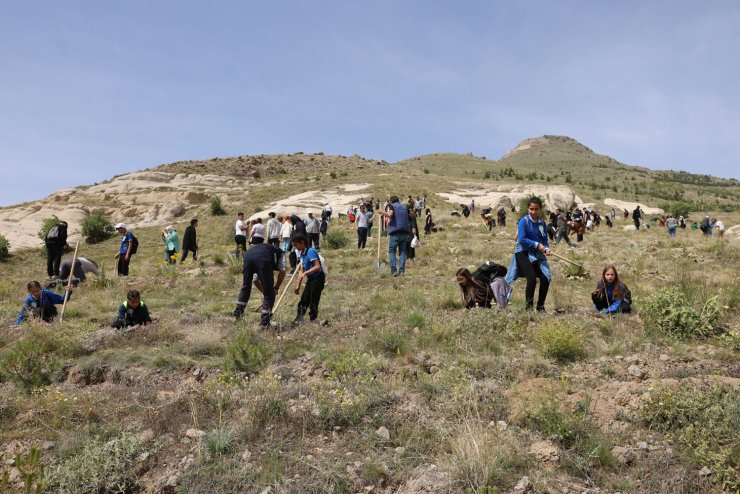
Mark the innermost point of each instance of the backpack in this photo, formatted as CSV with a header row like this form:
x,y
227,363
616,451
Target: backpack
x,y
134,245
53,233
322,261
488,271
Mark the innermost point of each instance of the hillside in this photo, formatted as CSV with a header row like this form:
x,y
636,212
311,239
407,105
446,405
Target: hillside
x,y
397,389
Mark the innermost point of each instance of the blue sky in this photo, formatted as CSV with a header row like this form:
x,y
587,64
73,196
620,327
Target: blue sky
x,y
91,89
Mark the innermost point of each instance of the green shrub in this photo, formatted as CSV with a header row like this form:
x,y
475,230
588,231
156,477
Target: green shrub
x,y
96,228
704,424
46,225
220,441
390,343
415,320
216,208
102,465
4,247
585,446
336,239
246,355
30,363
670,311
351,364
521,206
487,175
426,171
559,341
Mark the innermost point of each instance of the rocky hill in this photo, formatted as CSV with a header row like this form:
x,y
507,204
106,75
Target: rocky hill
x,y
395,388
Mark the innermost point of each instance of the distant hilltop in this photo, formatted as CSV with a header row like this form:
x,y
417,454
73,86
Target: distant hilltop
x,y
549,142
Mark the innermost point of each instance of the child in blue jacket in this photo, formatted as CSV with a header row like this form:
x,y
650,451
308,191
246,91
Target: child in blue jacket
x,y
41,303
611,295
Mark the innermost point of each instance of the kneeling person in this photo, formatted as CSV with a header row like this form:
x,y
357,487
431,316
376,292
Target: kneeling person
x,y
611,295
261,260
315,280
40,303
133,312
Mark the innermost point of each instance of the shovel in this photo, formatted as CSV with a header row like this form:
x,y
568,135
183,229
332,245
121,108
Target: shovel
x,y
379,266
69,282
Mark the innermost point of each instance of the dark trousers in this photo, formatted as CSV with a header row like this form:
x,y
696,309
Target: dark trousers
x,y
601,303
241,243
123,265
78,272
274,241
311,297
637,223
293,259
265,276
313,240
53,258
361,237
185,251
531,272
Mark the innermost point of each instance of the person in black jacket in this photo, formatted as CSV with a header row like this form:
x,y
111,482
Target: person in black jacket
x,y
261,260
190,241
299,228
55,240
133,312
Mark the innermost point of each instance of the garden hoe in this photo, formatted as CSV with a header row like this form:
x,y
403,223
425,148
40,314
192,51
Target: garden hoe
x,y
69,282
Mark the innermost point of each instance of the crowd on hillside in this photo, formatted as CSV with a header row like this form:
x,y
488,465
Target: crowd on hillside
x,y
272,244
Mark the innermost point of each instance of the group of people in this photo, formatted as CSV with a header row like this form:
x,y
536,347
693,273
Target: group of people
x,y
278,230
492,283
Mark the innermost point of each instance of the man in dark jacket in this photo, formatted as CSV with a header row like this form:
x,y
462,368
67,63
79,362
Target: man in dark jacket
x,y
190,241
261,260
55,240
299,228
398,234
133,312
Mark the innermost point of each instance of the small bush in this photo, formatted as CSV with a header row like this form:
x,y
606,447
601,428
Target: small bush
x,y
46,225
336,239
521,206
102,465
560,342
4,247
246,355
487,175
390,343
704,423
426,171
333,174
96,228
415,320
30,363
670,311
220,441
216,208
351,364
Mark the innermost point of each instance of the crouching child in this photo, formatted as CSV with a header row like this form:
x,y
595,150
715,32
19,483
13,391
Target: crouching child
x,y
133,312
41,303
611,295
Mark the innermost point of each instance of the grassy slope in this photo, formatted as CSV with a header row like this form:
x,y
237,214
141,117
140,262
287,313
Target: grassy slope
x,y
398,353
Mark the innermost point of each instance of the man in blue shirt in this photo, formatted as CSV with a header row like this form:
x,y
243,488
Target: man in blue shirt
x,y
315,279
398,234
40,303
124,252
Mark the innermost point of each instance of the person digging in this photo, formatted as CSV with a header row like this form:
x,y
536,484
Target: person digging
x,y
261,260
315,280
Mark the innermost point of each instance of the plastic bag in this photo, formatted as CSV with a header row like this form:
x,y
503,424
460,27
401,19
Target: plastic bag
x,y
415,243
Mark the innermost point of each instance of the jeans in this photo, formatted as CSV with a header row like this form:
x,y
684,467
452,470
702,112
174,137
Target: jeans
x,y
397,241
313,240
672,231
286,244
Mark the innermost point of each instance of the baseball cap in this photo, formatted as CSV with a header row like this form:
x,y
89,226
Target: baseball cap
x,y
120,225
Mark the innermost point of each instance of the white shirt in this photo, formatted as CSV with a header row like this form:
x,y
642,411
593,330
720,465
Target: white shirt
x,y
258,230
286,230
719,225
239,226
361,220
273,228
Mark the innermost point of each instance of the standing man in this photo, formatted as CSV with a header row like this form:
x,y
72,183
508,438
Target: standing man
x,y
55,240
261,260
326,213
361,224
240,234
398,231
312,229
636,217
273,230
126,249
190,241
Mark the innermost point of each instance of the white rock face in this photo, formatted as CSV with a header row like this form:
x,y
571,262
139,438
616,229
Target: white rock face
x,y
630,206
508,195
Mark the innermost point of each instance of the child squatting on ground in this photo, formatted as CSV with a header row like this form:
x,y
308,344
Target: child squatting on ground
x,y
41,303
611,295
133,312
